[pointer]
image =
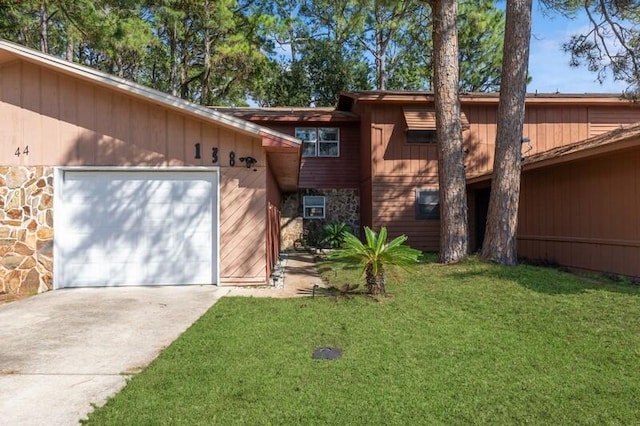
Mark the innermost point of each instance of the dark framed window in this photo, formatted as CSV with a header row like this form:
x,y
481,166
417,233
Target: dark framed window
x,y
427,204
421,136
319,142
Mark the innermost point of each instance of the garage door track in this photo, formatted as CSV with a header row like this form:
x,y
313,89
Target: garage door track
x,y
64,350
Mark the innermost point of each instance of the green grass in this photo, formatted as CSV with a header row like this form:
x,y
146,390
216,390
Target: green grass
x,y
464,344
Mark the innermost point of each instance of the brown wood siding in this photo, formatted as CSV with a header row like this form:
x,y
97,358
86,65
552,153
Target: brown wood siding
x,y
391,155
329,172
68,122
394,206
243,225
398,170
547,127
480,138
602,120
584,214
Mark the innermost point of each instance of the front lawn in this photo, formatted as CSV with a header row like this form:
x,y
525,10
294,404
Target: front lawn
x,y
465,344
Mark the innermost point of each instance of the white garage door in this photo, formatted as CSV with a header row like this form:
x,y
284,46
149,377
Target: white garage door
x,y
135,227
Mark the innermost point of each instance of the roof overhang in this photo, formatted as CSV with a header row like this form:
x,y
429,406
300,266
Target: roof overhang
x,y
347,100
294,115
284,160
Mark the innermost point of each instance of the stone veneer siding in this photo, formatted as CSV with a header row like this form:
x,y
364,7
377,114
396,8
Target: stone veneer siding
x,y
290,220
26,230
341,205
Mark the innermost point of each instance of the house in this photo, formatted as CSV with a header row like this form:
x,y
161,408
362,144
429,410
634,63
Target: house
x,y
376,150
106,183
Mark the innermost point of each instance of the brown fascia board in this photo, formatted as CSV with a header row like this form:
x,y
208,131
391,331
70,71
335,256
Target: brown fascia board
x,y
599,99
622,138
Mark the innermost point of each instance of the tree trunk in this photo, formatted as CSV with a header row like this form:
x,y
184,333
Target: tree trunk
x,y
206,66
380,279
173,52
500,244
451,175
375,282
381,59
69,53
44,27
370,279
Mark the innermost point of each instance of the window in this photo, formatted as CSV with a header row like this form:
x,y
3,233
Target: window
x,y
427,204
319,142
421,136
313,207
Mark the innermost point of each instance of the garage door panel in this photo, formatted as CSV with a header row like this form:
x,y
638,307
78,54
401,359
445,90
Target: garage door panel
x,y
136,228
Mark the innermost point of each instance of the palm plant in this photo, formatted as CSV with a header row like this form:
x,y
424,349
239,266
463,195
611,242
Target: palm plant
x,y
375,255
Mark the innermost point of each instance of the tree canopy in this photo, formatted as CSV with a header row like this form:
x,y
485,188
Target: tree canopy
x,y
271,52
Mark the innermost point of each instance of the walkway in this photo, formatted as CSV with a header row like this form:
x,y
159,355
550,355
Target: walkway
x,y
300,277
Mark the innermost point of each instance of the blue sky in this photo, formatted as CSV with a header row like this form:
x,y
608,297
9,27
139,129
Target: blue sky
x,y
549,65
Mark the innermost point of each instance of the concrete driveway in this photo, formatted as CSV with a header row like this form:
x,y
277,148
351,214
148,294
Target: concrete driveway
x,y
63,350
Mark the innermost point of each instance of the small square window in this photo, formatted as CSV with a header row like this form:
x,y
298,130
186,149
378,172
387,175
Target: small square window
x,y
427,204
421,136
313,207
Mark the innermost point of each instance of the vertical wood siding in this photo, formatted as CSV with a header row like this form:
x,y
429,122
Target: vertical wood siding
x,y
65,121
584,214
547,127
69,122
602,120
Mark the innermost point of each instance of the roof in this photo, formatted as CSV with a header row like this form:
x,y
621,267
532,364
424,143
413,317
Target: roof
x,y
293,114
11,51
621,138
348,99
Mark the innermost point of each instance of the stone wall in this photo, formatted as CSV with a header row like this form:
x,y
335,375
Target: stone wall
x,y
26,230
290,221
341,205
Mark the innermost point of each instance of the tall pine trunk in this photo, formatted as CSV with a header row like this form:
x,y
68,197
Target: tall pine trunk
x,y
44,27
500,244
451,175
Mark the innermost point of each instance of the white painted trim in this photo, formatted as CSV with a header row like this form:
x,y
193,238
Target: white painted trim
x,y
58,179
139,90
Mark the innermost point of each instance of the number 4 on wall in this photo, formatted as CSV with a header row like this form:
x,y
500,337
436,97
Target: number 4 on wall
x,y
25,151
